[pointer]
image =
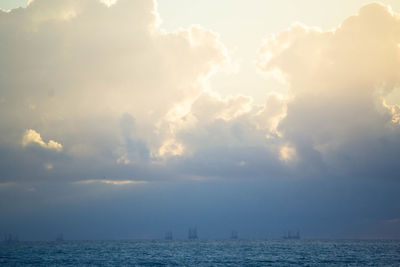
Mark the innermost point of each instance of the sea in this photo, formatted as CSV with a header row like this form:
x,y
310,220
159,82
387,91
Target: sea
x,y
202,253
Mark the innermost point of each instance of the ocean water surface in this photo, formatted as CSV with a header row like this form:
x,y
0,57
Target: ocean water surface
x,y
202,253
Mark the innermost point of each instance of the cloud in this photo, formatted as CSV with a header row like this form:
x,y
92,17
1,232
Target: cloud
x,y
130,100
287,153
338,80
33,137
100,77
111,182
48,166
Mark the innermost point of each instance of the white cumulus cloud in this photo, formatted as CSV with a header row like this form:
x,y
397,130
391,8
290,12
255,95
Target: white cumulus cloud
x,y
33,137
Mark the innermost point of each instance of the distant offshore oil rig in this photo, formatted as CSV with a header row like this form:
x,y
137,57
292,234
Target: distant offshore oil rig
x,y
192,234
60,237
10,239
291,235
234,235
168,235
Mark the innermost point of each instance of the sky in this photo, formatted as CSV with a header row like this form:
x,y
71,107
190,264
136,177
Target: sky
x,y
127,119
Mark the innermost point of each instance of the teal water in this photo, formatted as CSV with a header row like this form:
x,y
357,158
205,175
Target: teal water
x,y
203,253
